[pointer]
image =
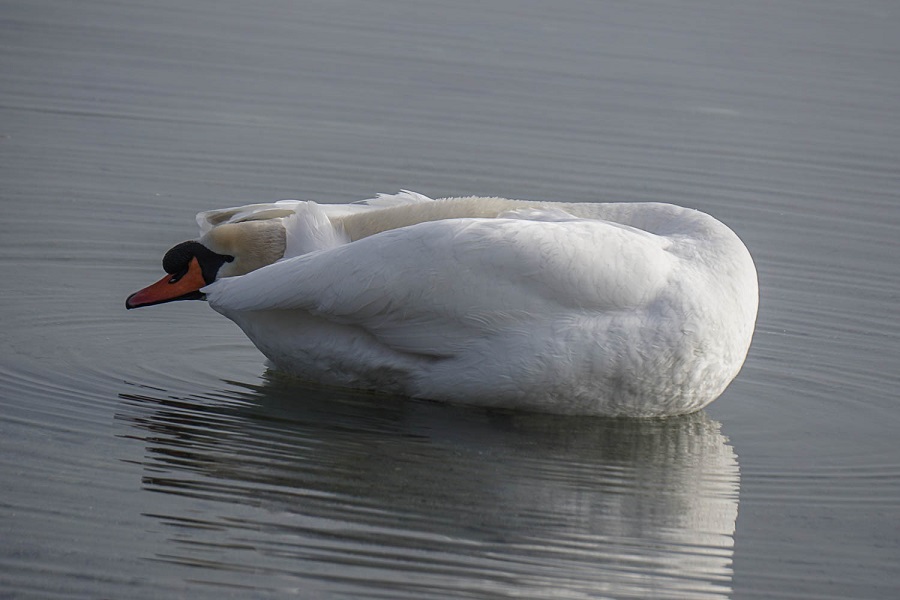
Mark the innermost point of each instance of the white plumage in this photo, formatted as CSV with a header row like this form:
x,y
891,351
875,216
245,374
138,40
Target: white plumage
x,y
547,307
638,309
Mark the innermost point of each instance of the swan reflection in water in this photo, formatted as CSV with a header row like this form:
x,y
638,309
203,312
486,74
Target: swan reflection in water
x,y
285,486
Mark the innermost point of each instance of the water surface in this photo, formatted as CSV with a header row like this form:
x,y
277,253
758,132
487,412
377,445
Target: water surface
x,y
152,454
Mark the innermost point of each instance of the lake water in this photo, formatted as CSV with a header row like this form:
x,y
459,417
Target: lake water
x,y
151,454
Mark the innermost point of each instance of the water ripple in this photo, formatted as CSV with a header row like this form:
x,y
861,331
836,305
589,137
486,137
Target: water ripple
x,y
342,488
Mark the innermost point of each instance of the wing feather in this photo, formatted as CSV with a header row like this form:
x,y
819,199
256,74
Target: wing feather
x,y
429,287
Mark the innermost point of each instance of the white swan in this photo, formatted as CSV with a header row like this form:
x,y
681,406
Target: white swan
x,y
634,309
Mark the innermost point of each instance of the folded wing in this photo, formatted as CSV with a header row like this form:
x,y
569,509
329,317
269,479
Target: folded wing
x,y
434,286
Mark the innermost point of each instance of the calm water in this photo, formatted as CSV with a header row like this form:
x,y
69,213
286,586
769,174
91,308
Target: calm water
x,y
152,455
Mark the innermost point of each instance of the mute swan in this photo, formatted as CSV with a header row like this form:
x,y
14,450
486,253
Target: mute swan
x,y
625,309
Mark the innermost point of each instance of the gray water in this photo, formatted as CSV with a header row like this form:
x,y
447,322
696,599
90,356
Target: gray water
x,y
151,454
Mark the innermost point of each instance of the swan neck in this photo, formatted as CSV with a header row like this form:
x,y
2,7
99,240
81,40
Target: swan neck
x,y
364,224
656,218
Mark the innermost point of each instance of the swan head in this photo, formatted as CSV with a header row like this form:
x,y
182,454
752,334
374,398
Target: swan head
x,y
228,250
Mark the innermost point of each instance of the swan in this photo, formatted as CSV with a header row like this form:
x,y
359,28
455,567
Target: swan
x,y
614,309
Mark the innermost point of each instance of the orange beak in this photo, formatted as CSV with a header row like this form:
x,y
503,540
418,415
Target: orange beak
x,y
171,287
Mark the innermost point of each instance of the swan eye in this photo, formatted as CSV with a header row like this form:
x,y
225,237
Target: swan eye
x,y
178,259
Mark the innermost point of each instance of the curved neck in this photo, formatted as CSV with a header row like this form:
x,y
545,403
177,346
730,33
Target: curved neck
x,y
366,223
657,218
